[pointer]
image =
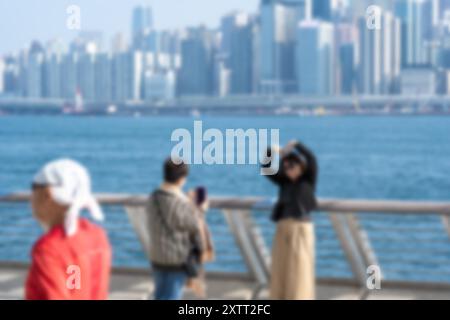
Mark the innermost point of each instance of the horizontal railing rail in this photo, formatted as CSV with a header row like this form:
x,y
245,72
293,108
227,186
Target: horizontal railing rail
x,y
260,203
405,238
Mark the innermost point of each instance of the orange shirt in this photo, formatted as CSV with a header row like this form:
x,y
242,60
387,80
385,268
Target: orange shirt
x,y
70,268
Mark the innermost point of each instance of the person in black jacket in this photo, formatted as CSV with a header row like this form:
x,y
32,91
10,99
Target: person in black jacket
x,y
293,257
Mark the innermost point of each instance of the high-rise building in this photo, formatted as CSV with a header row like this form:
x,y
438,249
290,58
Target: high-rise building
x,y
359,7
222,77
52,87
159,86
347,68
239,59
11,76
69,75
345,38
52,81
86,75
2,75
443,69
119,43
147,41
127,74
418,81
379,54
34,71
417,30
195,76
227,25
134,75
170,47
142,19
119,67
170,42
392,53
142,24
278,29
103,78
441,7
96,37
315,58
322,10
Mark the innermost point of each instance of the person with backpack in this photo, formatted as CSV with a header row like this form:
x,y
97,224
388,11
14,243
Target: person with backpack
x,y
179,239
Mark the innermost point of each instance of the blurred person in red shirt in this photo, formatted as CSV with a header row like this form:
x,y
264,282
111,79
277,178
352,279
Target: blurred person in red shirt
x,y
72,260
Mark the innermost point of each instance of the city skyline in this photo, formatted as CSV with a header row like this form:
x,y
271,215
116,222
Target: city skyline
x,y
285,47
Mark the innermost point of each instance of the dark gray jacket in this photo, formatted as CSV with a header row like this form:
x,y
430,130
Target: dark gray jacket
x,y
173,225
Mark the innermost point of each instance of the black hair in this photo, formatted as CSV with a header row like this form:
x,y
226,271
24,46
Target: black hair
x,y
173,172
295,158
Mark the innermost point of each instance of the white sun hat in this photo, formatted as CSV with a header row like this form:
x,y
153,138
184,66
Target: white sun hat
x,y
70,185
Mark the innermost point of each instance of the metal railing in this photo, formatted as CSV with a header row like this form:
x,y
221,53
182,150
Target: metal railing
x,y
409,241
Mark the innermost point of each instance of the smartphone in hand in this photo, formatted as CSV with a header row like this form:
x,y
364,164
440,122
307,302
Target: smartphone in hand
x,y
201,195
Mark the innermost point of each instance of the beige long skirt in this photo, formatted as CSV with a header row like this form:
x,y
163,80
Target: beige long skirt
x,y
293,261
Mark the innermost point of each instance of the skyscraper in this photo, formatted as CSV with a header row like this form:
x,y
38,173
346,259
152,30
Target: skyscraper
x,y
11,76
442,6
170,47
416,20
221,75
345,39
2,75
195,76
227,25
379,55
315,58
127,74
322,10
52,87
52,70
119,67
34,71
142,19
134,76
103,78
86,75
69,75
159,86
240,55
119,43
347,68
142,25
278,29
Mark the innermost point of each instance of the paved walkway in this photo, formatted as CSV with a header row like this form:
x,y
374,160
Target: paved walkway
x,y
138,287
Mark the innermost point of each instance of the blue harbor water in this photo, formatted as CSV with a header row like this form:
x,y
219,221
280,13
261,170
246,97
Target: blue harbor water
x,y
405,158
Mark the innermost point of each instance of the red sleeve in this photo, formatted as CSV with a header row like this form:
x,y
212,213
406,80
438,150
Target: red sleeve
x,y
46,278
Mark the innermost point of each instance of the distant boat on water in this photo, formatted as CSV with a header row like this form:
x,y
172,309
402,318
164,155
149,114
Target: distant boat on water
x,y
196,113
283,111
112,109
77,107
320,111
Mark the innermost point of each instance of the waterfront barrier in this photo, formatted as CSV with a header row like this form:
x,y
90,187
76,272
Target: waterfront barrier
x,y
408,240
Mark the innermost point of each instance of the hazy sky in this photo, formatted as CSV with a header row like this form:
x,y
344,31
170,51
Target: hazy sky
x,y
24,20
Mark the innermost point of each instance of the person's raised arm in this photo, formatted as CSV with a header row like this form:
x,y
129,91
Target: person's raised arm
x,y
273,173
312,168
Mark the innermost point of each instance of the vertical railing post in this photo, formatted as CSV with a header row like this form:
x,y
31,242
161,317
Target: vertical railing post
x,y
362,241
239,228
446,223
257,239
349,247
